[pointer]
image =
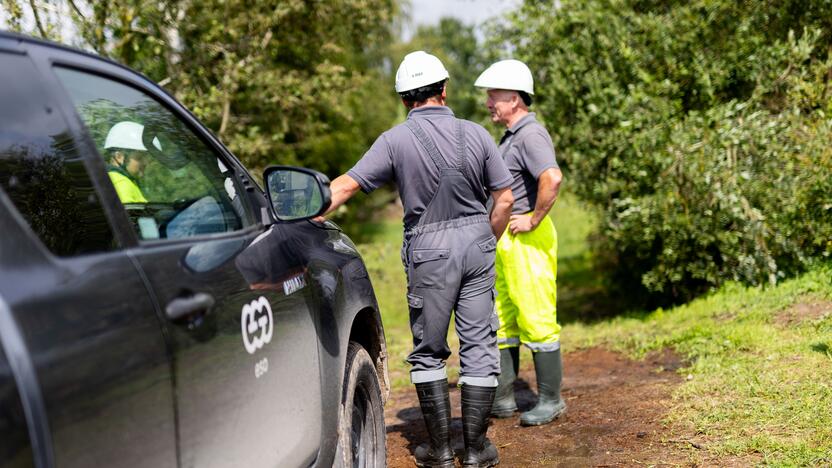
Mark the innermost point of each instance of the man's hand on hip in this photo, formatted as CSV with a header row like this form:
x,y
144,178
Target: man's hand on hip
x,y
520,223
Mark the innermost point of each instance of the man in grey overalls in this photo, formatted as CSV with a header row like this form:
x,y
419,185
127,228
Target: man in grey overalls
x,y
445,168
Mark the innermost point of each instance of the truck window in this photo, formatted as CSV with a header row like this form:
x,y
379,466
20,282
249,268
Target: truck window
x,y
170,182
41,169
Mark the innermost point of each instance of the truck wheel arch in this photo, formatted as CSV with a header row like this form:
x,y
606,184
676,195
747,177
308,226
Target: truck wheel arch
x,y
368,331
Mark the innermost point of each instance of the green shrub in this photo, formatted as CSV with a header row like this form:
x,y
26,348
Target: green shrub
x,y
699,128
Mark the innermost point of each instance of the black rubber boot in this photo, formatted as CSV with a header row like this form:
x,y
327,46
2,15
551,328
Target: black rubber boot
x,y
476,406
504,404
549,369
436,409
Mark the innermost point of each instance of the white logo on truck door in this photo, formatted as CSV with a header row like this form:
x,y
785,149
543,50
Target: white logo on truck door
x,y
293,284
257,324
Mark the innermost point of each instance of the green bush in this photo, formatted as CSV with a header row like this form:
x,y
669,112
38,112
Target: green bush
x,y
699,128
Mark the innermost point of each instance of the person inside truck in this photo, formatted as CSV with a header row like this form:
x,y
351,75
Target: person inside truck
x,y
127,158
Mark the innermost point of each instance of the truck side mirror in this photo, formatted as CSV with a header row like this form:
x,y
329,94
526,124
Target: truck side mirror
x,y
296,193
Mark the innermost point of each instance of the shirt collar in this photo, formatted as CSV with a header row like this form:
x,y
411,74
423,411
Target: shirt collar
x,y
527,119
427,111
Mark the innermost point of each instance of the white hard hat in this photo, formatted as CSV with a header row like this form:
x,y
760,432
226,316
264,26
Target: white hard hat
x,y
419,69
507,74
128,135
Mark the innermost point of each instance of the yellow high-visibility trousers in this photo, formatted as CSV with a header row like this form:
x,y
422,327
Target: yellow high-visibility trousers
x,y
526,302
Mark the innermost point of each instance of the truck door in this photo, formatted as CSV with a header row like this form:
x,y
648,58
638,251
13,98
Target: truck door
x,y
96,374
246,365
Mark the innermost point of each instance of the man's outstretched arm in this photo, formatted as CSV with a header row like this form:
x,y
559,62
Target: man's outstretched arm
x,y
342,188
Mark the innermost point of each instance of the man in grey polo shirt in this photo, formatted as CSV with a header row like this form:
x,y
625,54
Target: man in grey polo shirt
x,y
527,256
445,169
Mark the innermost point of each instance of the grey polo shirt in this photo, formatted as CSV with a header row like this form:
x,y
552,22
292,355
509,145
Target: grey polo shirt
x,y
527,150
397,156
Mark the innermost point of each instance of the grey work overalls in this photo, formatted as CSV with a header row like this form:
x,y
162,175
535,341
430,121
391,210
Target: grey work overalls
x,y
449,259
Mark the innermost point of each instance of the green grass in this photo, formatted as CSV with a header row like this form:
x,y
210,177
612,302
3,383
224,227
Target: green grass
x,y
757,383
578,291
383,260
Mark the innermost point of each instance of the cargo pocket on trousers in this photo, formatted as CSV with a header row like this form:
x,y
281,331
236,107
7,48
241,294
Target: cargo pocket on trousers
x,y
429,267
488,245
417,318
486,255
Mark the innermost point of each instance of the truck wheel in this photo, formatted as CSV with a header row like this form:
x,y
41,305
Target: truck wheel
x,y
361,432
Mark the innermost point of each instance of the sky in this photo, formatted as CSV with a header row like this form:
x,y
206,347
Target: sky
x,y
428,12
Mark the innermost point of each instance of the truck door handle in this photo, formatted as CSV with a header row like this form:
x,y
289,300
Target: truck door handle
x,y
184,306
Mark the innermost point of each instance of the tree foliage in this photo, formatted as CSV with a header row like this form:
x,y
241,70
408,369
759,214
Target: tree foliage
x,y
280,81
700,128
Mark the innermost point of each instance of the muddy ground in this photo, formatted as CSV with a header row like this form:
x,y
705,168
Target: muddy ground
x,y
615,413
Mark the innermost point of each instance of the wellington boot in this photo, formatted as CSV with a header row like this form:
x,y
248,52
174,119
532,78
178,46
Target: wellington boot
x,y
549,369
436,409
504,404
476,406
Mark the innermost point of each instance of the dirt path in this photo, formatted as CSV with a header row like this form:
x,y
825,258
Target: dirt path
x,y
614,418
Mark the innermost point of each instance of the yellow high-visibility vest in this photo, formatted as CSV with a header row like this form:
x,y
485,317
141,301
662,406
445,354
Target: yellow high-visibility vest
x,y
127,190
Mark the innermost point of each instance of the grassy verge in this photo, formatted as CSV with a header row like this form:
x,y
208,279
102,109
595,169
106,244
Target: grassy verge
x,y
578,290
384,265
760,378
760,374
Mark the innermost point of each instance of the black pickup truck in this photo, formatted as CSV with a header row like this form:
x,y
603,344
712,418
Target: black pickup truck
x,y
157,306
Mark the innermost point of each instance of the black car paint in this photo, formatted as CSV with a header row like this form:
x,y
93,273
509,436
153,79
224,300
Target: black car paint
x,y
106,362
16,449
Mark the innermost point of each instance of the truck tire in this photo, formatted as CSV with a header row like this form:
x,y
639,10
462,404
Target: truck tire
x,y
361,431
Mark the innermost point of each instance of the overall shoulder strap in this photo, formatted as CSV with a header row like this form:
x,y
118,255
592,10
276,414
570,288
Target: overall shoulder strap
x,y
460,149
427,143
